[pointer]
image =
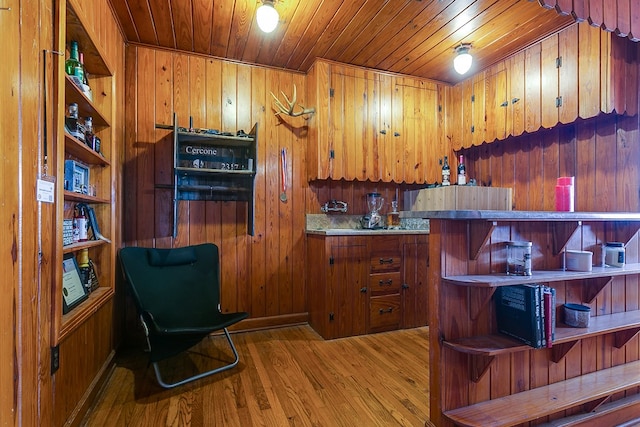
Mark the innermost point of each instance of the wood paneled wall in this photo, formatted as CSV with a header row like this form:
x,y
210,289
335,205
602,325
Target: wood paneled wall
x,y
602,153
262,274
25,306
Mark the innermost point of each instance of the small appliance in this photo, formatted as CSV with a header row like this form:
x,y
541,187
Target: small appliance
x,y
373,220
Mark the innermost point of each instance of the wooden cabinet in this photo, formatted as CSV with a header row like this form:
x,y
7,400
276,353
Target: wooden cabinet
x,y
577,72
97,164
337,285
366,284
213,165
371,126
463,334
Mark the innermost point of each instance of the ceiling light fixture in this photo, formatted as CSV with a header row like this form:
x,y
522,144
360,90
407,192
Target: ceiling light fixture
x,y
462,61
267,16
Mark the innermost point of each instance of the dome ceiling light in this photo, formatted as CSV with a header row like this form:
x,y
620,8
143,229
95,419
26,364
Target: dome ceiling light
x,y
267,16
463,60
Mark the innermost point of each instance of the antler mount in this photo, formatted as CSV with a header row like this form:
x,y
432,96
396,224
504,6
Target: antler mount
x,y
290,105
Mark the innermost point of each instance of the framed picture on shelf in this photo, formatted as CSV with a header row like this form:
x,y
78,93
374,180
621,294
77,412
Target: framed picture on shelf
x,y
73,290
76,177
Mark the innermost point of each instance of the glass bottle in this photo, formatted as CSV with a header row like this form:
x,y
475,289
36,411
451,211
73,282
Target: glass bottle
x,y
71,122
73,61
446,172
393,217
462,171
88,131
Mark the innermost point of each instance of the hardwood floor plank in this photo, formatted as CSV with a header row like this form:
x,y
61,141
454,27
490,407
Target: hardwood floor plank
x,y
286,377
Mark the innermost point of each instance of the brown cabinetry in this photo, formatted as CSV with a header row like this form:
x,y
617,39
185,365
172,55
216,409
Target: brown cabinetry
x,y
371,126
577,72
366,284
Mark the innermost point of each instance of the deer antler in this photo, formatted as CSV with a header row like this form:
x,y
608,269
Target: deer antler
x,y
291,104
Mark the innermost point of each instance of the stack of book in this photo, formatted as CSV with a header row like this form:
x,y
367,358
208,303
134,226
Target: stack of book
x,y
527,313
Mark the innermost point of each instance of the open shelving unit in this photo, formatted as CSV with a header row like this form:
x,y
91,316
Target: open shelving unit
x,y
99,107
467,246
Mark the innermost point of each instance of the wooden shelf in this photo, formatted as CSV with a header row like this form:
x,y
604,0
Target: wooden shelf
x,y
78,149
542,276
219,172
590,390
86,107
74,247
79,197
94,58
85,310
483,348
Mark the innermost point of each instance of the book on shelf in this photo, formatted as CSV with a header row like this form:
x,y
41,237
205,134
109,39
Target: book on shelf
x,y
549,300
519,313
93,226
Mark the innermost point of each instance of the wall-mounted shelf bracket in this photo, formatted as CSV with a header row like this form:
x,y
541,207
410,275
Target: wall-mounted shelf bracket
x,y
478,232
562,232
592,287
478,365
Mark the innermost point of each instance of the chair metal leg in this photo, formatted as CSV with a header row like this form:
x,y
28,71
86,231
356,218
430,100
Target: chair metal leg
x,y
156,368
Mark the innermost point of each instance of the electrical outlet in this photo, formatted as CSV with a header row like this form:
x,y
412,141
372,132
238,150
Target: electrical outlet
x,y
55,359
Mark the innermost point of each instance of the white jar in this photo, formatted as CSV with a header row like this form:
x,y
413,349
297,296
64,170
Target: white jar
x,y
614,254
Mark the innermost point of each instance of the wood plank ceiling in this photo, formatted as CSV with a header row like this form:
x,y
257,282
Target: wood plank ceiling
x,y
415,37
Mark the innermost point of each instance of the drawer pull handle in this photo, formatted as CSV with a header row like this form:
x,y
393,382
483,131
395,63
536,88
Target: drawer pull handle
x,y
363,290
386,260
388,310
385,282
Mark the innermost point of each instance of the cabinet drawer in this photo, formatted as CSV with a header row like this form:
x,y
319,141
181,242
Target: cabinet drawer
x,y
385,283
384,313
387,261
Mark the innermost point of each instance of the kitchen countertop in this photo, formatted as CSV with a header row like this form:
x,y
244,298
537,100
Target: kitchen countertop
x,y
349,225
362,232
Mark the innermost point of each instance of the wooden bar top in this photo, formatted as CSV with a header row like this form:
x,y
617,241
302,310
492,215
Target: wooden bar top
x,y
490,215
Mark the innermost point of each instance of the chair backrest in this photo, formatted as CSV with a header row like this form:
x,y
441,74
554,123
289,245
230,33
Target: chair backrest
x,y
179,286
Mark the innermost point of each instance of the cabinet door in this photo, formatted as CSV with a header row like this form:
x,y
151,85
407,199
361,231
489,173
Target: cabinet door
x,y
568,74
479,123
549,63
496,103
414,292
347,287
532,107
515,114
419,132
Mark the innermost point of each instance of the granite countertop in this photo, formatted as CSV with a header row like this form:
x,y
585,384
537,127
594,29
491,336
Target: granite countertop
x,y
349,225
362,232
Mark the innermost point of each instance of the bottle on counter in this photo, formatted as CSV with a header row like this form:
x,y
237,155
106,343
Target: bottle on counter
x,y
446,172
462,171
393,217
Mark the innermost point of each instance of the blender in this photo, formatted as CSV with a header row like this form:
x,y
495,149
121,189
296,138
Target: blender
x,y
373,219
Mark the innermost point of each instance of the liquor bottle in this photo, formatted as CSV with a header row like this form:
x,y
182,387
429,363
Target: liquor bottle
x,y
81,220
446,172
462,171
85,79
71,122
73,61
393,217
73,67
88,131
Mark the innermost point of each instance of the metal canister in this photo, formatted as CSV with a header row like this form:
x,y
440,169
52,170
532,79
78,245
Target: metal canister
x,y
519,258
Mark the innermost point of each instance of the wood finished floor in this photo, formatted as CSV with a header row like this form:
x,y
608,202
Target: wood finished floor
x,y
286,377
